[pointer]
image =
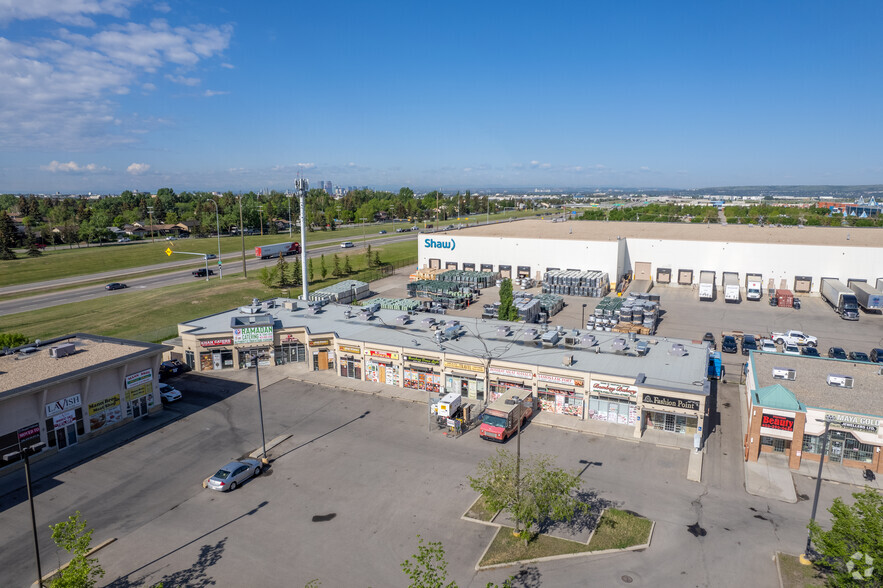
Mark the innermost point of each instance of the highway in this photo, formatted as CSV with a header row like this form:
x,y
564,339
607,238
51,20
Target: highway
x,y
176,273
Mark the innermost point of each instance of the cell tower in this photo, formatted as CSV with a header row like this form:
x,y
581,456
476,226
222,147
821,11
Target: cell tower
x,y
301,187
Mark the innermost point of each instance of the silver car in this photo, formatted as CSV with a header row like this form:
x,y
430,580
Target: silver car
x,y
233,474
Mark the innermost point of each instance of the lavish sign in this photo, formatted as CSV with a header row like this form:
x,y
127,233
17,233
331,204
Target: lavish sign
x,y
215,342
138,378
560,380
261,334
613,388
671,402
509,372
58,406
779,423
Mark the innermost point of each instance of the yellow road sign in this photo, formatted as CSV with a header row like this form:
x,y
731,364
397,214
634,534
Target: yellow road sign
x,y
169,251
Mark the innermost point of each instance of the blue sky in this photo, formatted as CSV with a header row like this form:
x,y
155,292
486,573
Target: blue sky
x,y
105,95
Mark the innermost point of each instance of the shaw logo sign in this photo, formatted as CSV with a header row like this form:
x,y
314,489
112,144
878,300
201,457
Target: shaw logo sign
x,y
433,244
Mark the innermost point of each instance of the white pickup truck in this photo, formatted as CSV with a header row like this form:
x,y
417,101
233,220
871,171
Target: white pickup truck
x,y
794,338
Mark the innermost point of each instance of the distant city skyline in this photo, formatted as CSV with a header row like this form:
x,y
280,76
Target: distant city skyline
x,y
123,94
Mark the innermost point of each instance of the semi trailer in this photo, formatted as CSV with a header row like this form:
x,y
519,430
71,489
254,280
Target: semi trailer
x,y
840,297
867,296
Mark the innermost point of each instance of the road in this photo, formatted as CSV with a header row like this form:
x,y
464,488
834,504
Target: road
x,y
177,273
361,477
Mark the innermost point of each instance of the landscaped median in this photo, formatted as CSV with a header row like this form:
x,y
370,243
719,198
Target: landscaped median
x,y
616,530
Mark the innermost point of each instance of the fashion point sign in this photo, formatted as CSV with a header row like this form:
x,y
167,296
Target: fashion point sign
x,y
439,244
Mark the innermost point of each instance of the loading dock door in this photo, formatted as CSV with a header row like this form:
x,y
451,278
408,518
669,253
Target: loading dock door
x,y
802,283
642,270
435,263
523,271
451,265
505,271
685,277
663,275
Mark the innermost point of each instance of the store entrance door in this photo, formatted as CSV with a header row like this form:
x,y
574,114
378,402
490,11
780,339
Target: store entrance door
x,y
66,436
836,453
139,407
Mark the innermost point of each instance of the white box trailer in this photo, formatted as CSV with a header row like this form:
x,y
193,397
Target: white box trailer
x,y
868,297
731,287
706,285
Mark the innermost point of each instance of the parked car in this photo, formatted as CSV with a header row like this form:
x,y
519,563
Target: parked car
x,y
810,351
115,286
211,256
400,230
768,345
415,228
234,474
876,355
123,240
347,244
172,367
837,353
200,273
171,238
859,356
169,394
728,344
749,343
709,338
381,232
790,349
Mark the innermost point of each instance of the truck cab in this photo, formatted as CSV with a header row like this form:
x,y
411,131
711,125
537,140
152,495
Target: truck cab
x,y
715,366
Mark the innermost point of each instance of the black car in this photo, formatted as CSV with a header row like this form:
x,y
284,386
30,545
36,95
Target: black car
x,y
859,356
115,286
749,343
709,338
728,344
172,367
876,355
810,351
837,353
200,273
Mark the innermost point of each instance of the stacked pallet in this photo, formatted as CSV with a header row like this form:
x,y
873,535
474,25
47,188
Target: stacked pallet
x,y
345,292
551,304
429,273
472,278
592,283
405,304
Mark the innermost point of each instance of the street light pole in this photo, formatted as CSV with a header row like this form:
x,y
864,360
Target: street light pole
x,y
815,500
289,215
257,377
261,213
218,230
518,457
363,231
150,212
26,452
242,235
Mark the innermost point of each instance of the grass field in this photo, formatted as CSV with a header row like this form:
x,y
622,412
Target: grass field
x,y
153,315
506,548
82,261
797,575
619,529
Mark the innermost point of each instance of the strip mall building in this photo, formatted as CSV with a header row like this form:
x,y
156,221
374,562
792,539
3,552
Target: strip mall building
x,y
94,385
792,400
600,376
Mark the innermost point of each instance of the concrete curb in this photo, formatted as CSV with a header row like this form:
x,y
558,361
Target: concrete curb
x,y
465,517
778,569
47,577
273,443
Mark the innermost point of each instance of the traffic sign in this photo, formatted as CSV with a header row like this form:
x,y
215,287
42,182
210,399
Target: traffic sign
x,y
169,251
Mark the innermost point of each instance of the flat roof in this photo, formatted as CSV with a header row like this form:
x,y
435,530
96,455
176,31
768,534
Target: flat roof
x,y
479,338
811,387
580,230
21,373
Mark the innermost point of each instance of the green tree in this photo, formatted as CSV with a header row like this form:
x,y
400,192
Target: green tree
x,y
310,269
296,271
8,236
12,340
323,271
33,250
856,534
82,571
377,262
543,493
335,266
507,302
347,268
283,279
269,277
368,261
428,568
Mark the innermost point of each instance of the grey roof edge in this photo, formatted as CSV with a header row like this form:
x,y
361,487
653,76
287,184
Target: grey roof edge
x,y
146,348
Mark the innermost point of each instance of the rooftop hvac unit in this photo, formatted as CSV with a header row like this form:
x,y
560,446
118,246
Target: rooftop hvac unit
x,y
784,374
640,378
62,350
452,332
502,331
840,381
347,314
290,305
642,348
551,338
618,344
678,350
402,319
568,360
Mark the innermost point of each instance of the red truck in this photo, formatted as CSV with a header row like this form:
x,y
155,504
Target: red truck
x,y
501,418
268,251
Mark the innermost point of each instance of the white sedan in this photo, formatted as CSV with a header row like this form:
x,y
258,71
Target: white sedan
x,y
790,349
347,244
169,394
768,345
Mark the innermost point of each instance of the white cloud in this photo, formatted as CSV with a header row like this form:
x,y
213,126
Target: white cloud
x,y
184,81
210,93
60,92
137,168
71,166
228,66
162,7
74,12
306,165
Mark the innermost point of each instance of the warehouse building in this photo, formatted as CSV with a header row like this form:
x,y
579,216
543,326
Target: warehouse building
x,y
65,391
667,253
638,383
794,400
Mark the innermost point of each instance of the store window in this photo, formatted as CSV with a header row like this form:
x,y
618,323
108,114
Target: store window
x,y
561,402
382,373
351,368
613,410
499,388
246,358
291,353
467,387
422,380
777,445
672,423
840,445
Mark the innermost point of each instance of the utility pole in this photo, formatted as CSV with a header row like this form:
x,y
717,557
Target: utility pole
x,y
242,235
26,452
261,213
363,231
288,194
150,212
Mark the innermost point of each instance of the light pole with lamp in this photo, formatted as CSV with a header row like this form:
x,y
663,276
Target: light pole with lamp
x,y
261,213
150,212
218,231
363,231
804,559
517,400
257,376
26,453
290,195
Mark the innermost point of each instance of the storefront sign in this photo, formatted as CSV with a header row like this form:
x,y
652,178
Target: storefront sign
x,y
58,406
139,378
425,360
320,342
138,392
612,388
671,402
853,422
511,373
348,349
215,342
105,412
456,365
560,380
263,334
64,419
779,423
28,436
382,354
